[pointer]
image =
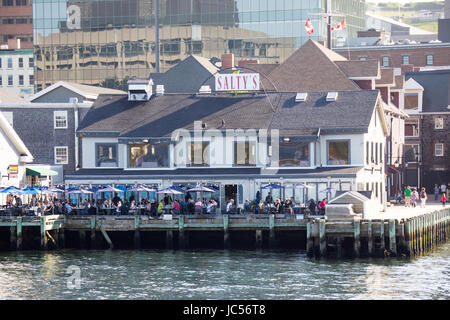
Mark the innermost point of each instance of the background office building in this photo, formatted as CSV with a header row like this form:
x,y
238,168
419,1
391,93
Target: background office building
x,y
102,42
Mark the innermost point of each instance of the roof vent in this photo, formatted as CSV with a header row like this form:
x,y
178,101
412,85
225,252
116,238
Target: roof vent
x,y
301,96
139,89
205,90
204,126
159,90
332,96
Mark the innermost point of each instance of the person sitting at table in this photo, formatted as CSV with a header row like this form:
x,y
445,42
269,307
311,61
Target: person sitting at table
x,y
167,199
190,207
160,207
176,207
117,207
133,204
312,206
230,206
92,210
153,208
198,206
67,207
210,206
49,209
124,208
269,198
289,206
278,206
246,206
321,206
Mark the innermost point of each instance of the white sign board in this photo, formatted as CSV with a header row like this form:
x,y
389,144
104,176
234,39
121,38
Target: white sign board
x,y
237,82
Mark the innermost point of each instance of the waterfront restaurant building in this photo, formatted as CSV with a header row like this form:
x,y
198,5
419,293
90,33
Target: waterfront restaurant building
x,y
238,142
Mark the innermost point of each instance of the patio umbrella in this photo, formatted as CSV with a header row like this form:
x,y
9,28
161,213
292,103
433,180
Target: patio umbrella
x,y
56,190
142,189
30,190
303,187
202,189
110,189
11,189
170,190
272,186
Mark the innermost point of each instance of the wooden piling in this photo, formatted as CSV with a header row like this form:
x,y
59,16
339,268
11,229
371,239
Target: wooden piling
x,y
322,238
181,233
44,240
407,237
271,231
12,238
392,240
369,238
382,241
93,241
226,232
356,237
339,246
105,235
19,233
258,238
82,235
309,239
169,239
137,233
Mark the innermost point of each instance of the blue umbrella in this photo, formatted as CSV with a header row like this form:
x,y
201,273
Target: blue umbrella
x,y
12,190
30,190
272,186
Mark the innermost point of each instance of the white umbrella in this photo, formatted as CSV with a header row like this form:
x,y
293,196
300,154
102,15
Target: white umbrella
x,y
302,186
142,188
170,190
201,189
110,189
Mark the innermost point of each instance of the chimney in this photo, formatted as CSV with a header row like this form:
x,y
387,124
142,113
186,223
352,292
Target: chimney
x,y
13,43
139,89
227,61
407,68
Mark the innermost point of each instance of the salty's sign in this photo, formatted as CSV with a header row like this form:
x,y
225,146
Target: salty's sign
x,y
237,81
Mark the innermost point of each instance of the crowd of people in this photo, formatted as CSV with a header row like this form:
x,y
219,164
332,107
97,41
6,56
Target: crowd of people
x,y
411,197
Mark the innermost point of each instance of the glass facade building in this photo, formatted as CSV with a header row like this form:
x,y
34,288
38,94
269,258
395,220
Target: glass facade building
x,y
102,42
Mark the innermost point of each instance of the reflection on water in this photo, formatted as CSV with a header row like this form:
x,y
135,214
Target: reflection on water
x,y
219,274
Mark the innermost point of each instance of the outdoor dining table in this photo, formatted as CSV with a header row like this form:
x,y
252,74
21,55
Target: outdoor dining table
x,y
167,208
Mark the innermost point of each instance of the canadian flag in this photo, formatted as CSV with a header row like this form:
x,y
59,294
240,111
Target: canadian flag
x,y
340,26
309,26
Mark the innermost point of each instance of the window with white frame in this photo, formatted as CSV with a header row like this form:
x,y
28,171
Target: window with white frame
x,y
10,63
385,61
405,59
20,80
439,150
429,59
60,119
20,62
61,155
10,80
439,123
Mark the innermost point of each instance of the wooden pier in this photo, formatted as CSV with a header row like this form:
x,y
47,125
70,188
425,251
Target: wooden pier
x,y
376,238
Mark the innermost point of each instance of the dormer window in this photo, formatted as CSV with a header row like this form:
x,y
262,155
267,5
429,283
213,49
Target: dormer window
x,y
332,96
301,97
411,101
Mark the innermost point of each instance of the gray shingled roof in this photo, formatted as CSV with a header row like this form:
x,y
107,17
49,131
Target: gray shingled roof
x,y
160,116
359,68
187,76
436,89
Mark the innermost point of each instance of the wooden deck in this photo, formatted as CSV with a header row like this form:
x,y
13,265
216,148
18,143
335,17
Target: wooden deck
x,y
367,237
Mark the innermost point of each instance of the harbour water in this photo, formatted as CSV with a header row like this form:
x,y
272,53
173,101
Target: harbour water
x,y
219,274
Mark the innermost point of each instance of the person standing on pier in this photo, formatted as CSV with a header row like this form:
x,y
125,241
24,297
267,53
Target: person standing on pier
x,y
443,199
408,196
423,197
414,197
443,187
436,192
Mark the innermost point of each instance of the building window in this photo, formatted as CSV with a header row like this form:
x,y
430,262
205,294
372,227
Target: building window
x,y
30,62
412,129
376,153
439,123
363,58
411,101
148,155
338,152
20,62
385,61
10,63
244,153
0,63
429,59
106,155
20,80
439,150
411,152
405,59
31,79
198,154
10,80
60,119
1,80
293,154
367,153
61,155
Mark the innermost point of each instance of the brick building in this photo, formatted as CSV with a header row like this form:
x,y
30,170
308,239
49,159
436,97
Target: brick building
x,y
428,128
427,56
16,22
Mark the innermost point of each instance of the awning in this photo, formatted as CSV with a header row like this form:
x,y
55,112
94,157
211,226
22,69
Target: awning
x,y
392,170
40,172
